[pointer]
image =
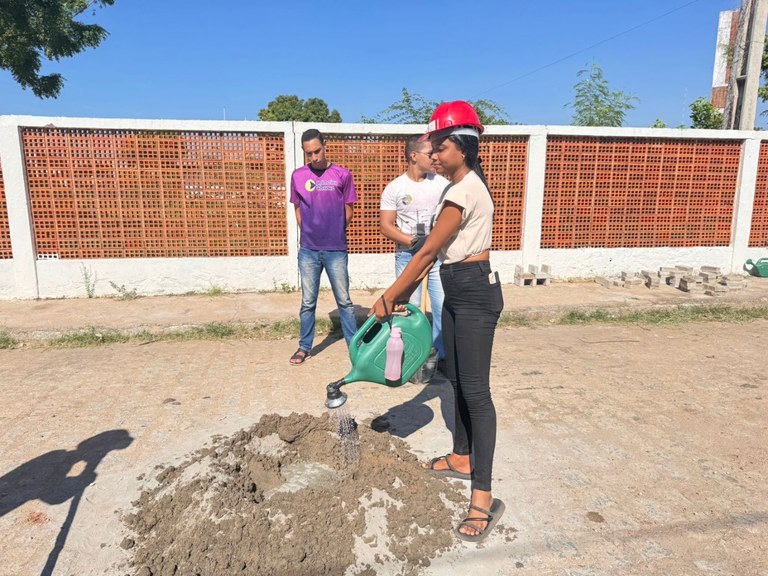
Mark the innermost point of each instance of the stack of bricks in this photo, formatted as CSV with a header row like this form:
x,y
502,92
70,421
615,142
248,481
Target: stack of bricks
x,y
677,274
734,281
652,279
631,280
534,276
609,282
627,280
708,279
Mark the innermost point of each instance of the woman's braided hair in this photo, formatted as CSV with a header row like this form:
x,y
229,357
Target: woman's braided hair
x,y
470,146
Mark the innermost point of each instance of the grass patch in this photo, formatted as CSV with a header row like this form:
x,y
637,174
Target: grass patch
x,y
515,320
670,315
90,337
287,329
7,341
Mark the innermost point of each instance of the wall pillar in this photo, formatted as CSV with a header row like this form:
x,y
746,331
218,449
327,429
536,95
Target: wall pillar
x,y
743,203
534,198
19,210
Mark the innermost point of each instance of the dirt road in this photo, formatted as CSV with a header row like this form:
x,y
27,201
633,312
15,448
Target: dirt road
x,y
621,450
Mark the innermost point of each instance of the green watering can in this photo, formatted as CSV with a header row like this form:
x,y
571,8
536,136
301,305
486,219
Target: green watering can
x,y
368,352
759,268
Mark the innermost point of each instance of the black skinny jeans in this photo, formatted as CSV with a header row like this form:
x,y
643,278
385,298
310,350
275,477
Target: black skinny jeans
x,y
473,303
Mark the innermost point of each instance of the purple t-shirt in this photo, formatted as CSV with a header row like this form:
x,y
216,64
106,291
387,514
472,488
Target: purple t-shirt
x,y
321,197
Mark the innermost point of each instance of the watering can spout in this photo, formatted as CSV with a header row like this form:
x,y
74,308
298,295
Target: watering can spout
x,y
334,396
368,352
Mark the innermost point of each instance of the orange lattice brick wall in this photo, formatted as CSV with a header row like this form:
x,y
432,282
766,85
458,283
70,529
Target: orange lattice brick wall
x,y
5,231
140,194
377,159
758,234
504,164
374,160
644,192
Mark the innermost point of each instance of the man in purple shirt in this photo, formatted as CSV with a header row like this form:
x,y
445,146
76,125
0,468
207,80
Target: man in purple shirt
x,y
323,194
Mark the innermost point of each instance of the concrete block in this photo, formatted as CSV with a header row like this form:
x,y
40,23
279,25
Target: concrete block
x,y
666,271
689,284
604,282
709,276
523,278
521,281
652,282
633,281
711,270
734,282
684,269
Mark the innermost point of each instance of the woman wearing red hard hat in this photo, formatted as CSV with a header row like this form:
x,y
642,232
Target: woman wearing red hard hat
x,y
461,240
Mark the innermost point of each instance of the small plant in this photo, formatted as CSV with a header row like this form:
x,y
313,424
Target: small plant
x,y
123,292
287,288
215,290
370,289
89,280
7,341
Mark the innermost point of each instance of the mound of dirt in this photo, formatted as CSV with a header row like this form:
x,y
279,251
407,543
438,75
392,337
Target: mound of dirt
x,y
294,495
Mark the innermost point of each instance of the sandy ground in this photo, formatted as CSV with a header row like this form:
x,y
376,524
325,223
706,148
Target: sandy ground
x,y
621,450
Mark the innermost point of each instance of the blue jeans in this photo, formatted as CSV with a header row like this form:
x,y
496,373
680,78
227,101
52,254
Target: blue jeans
x,y
311,265
436,297
473,303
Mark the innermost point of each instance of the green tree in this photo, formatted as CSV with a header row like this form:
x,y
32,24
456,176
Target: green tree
x,y
595,104
705,115
410,109
33,29
762,91
415,109
293,108
659,123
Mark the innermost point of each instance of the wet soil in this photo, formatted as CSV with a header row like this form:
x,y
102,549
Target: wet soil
x,y
292,496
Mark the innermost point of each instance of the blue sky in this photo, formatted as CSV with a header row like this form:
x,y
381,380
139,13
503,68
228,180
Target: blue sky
x,y
209,60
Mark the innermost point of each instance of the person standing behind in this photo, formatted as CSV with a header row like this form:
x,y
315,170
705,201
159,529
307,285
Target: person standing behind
x,y
407,206
323,194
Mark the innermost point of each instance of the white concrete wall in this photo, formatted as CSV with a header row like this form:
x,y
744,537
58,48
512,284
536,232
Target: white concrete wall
x,y
26,277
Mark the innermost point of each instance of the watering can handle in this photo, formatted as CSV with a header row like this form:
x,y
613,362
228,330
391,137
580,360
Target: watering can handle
x,y
363,330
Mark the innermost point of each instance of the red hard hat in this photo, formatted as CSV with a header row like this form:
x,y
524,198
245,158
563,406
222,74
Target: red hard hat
x,y
454,114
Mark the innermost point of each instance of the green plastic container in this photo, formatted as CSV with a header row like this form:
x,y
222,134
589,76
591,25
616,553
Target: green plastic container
x,y
759,268
368,347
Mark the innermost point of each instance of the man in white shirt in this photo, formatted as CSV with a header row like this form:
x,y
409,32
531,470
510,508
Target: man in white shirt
x,y
407,206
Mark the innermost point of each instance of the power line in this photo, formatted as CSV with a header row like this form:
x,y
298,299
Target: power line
x,y
571,55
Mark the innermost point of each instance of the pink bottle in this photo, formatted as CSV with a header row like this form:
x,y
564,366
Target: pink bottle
x,y
392,370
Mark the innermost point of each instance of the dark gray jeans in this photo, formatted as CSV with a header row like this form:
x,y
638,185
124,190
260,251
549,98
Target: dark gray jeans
x,y
472,306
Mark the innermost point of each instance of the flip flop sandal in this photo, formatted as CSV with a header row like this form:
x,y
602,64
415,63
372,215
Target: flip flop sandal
x,y
450,472
489,516
299,357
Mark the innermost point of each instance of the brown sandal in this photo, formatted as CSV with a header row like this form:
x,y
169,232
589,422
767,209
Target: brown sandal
x,y
449,472
299,357
490,517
